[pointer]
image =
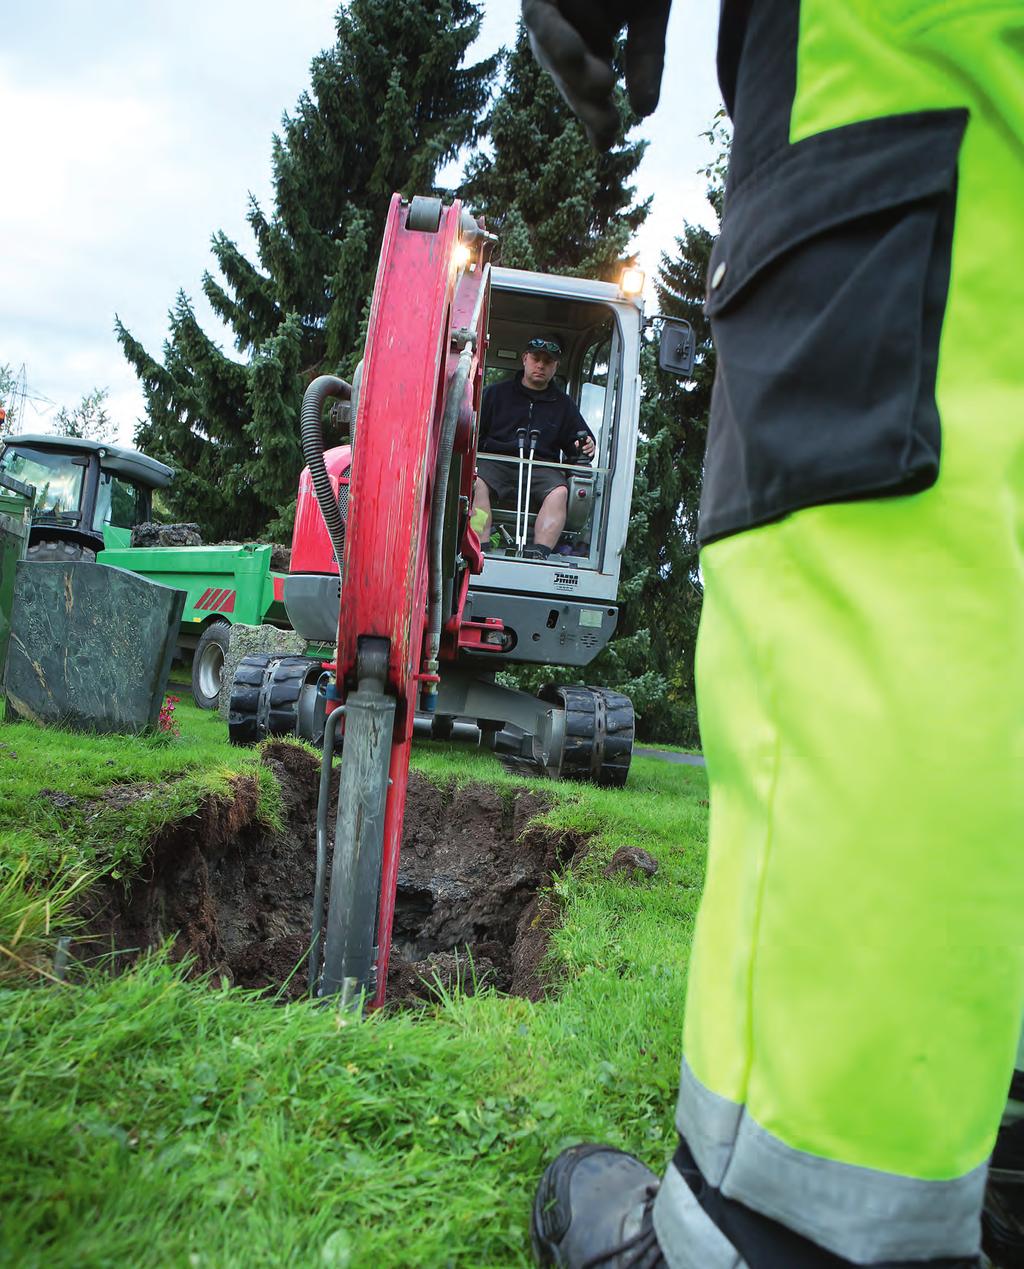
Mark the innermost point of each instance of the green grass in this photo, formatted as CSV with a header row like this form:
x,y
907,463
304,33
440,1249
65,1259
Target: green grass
x,y
180,771
151,1120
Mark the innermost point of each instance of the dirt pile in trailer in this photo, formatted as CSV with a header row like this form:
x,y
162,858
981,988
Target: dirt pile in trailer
x,y
238,897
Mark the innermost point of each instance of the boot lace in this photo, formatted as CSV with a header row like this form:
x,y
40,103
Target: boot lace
x,y
642,1251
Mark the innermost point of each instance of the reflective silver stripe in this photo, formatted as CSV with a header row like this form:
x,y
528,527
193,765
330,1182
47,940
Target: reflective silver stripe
x,y
709,1123
687,1236
860,1213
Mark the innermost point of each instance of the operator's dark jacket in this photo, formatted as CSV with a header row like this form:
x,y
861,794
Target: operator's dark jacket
x,y
508,405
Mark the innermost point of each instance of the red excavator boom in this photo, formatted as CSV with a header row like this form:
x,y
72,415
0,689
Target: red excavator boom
x,y
417,399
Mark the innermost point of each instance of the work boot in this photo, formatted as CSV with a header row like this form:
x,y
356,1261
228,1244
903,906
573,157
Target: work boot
x,y
593,1210
1002,1221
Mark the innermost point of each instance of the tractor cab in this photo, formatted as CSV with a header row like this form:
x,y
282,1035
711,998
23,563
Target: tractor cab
x,y
88,494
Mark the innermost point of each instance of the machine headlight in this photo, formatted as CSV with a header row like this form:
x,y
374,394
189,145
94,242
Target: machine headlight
x,y
632,280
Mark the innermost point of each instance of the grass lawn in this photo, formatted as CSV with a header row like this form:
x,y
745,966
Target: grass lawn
x,y
150,1120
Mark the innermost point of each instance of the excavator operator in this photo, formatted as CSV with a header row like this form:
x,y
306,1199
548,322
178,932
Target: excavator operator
x,y
529,416
856,983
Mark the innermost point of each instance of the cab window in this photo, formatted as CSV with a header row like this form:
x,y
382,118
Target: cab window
x,y
118,502
57,480
594,384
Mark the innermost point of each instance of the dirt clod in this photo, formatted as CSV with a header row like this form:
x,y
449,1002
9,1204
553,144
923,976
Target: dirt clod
x,y
631,860
237,896
58,799
150,534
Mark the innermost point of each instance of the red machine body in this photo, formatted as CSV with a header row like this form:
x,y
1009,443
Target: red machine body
x,y
413,646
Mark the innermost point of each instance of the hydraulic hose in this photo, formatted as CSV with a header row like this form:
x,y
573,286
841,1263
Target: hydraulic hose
x,y
313,399
449,423
446,443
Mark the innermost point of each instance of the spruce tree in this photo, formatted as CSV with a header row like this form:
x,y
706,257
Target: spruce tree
x,y
197,404
388,104
556,205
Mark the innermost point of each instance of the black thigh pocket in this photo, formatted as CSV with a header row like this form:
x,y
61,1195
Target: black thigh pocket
x,y
826,292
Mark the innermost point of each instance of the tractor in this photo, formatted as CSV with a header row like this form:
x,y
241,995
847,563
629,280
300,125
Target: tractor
x,y
88,494
386,564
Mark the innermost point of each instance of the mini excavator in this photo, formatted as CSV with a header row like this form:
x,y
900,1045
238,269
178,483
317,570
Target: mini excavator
x,y
387,568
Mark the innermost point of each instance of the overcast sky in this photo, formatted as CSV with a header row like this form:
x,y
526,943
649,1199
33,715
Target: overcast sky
x,y
130,131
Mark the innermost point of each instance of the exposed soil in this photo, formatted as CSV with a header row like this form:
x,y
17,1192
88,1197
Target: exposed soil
x,y
238,897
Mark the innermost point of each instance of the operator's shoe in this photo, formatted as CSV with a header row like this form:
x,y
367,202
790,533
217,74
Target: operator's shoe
x,y
593,1210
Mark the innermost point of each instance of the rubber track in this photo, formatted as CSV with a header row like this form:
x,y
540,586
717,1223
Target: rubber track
x,y
599,726
265,697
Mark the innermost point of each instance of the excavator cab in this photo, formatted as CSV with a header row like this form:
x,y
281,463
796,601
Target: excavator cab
x,y
561,609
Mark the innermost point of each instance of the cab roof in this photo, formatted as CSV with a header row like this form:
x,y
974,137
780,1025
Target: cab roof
x,y
125,462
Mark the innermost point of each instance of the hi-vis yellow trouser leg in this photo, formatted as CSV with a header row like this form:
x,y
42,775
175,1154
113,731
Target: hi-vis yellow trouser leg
x,y
857,981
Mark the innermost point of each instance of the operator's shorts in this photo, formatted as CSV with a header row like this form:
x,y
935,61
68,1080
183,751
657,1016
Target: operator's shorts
x,y
502,479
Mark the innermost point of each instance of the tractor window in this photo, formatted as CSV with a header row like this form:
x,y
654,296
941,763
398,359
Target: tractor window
x,y
119,502
57,480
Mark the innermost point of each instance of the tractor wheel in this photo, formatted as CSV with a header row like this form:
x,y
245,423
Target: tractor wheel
x,y
599,726
60,553
208,664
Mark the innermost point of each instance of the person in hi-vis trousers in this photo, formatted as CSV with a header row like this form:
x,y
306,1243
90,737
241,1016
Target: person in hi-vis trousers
x,y
856,986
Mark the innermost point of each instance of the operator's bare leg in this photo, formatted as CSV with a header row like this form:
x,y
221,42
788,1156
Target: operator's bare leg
x,y
550,522
482,502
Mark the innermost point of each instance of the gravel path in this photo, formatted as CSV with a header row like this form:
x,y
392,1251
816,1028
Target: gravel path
x,y
688,759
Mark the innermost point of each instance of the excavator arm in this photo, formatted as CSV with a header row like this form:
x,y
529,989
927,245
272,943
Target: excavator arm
x,y
401,595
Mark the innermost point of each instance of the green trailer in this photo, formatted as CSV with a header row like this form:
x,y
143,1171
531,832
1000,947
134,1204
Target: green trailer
x,y
223,585
86,499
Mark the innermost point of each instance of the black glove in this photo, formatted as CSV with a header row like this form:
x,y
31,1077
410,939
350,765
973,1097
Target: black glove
x,y
574,41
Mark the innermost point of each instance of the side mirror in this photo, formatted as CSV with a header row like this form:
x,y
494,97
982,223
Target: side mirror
x,y
677,347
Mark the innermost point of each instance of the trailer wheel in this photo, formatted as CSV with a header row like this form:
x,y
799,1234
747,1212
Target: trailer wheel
x,y
208,664
60,553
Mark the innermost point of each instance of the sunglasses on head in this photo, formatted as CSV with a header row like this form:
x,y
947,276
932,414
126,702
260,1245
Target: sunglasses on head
x,y
544,345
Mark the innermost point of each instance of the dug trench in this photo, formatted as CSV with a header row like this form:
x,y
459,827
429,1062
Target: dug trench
x,y
236,897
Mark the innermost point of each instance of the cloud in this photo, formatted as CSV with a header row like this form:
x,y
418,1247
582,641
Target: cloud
x,y
125,144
